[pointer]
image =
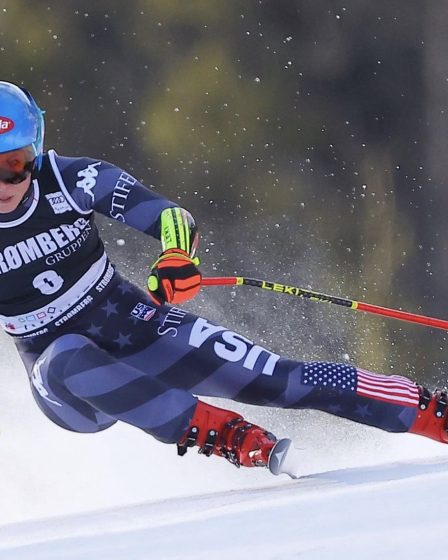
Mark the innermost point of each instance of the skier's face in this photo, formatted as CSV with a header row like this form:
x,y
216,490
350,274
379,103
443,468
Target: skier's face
x,y
12,195
15,176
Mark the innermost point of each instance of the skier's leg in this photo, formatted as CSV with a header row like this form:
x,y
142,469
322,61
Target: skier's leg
x,y
54,399
78,385
188,353
207,359
83,388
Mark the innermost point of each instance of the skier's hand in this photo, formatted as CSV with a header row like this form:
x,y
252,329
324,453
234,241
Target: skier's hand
x,y
174,277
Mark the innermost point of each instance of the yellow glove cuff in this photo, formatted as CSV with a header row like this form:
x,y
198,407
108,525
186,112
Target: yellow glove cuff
x,y
176,230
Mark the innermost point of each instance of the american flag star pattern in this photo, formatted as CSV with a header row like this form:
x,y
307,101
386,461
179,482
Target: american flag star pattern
x,y
393,389
330,375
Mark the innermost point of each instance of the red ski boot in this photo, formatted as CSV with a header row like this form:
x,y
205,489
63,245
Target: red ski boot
x,y
221,432
432,415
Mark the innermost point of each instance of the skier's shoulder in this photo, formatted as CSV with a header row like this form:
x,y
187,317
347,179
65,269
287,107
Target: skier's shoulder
x,y
79,177
74,168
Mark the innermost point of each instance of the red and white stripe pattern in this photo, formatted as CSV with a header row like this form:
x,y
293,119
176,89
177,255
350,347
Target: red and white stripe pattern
x,y
387,388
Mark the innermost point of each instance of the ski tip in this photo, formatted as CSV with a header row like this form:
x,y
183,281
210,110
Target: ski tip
x,y
284,459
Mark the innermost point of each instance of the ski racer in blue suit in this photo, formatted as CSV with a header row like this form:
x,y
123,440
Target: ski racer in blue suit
x,y
99,350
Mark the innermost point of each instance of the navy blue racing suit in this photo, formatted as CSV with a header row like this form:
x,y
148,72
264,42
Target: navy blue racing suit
x,y
97,350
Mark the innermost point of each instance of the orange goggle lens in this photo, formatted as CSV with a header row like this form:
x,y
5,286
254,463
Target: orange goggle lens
x,y
15,165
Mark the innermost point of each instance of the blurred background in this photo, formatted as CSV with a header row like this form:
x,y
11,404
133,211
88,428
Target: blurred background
x,y
309,138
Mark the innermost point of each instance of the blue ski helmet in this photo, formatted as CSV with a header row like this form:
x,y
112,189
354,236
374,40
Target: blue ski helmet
x,y
21,122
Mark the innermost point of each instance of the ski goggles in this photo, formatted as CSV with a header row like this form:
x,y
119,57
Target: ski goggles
x,y
16,165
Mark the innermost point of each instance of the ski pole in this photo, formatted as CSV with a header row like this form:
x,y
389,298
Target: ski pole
x,y
317,296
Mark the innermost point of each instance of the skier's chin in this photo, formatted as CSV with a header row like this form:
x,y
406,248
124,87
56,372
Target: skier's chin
x,y
12,195
9,204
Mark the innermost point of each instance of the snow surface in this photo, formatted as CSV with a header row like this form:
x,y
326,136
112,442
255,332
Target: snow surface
x,y
122,495
396,510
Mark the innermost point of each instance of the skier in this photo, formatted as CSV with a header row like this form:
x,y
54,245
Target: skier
x,y
99,350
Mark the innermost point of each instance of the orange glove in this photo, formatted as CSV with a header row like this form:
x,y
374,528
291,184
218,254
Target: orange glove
x,y
174,277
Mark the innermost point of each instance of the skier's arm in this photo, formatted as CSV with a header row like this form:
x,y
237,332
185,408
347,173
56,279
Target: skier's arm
x,y
131,203
93,185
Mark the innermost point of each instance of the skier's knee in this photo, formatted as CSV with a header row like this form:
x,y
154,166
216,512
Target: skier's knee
x,y
49,385
51,368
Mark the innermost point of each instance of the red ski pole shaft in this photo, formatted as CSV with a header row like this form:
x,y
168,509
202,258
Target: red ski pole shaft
x,y
317,296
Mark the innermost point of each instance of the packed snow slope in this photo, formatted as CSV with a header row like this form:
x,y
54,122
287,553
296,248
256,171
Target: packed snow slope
x,y
395,511
122,495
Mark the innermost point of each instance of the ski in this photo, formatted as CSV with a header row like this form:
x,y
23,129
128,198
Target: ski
x,y
284,458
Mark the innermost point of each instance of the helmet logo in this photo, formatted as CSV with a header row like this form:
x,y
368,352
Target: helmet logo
x,y
6,125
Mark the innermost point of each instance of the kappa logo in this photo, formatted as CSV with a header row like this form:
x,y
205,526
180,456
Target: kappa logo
x,y
89,175
58,202
6,125
143,312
